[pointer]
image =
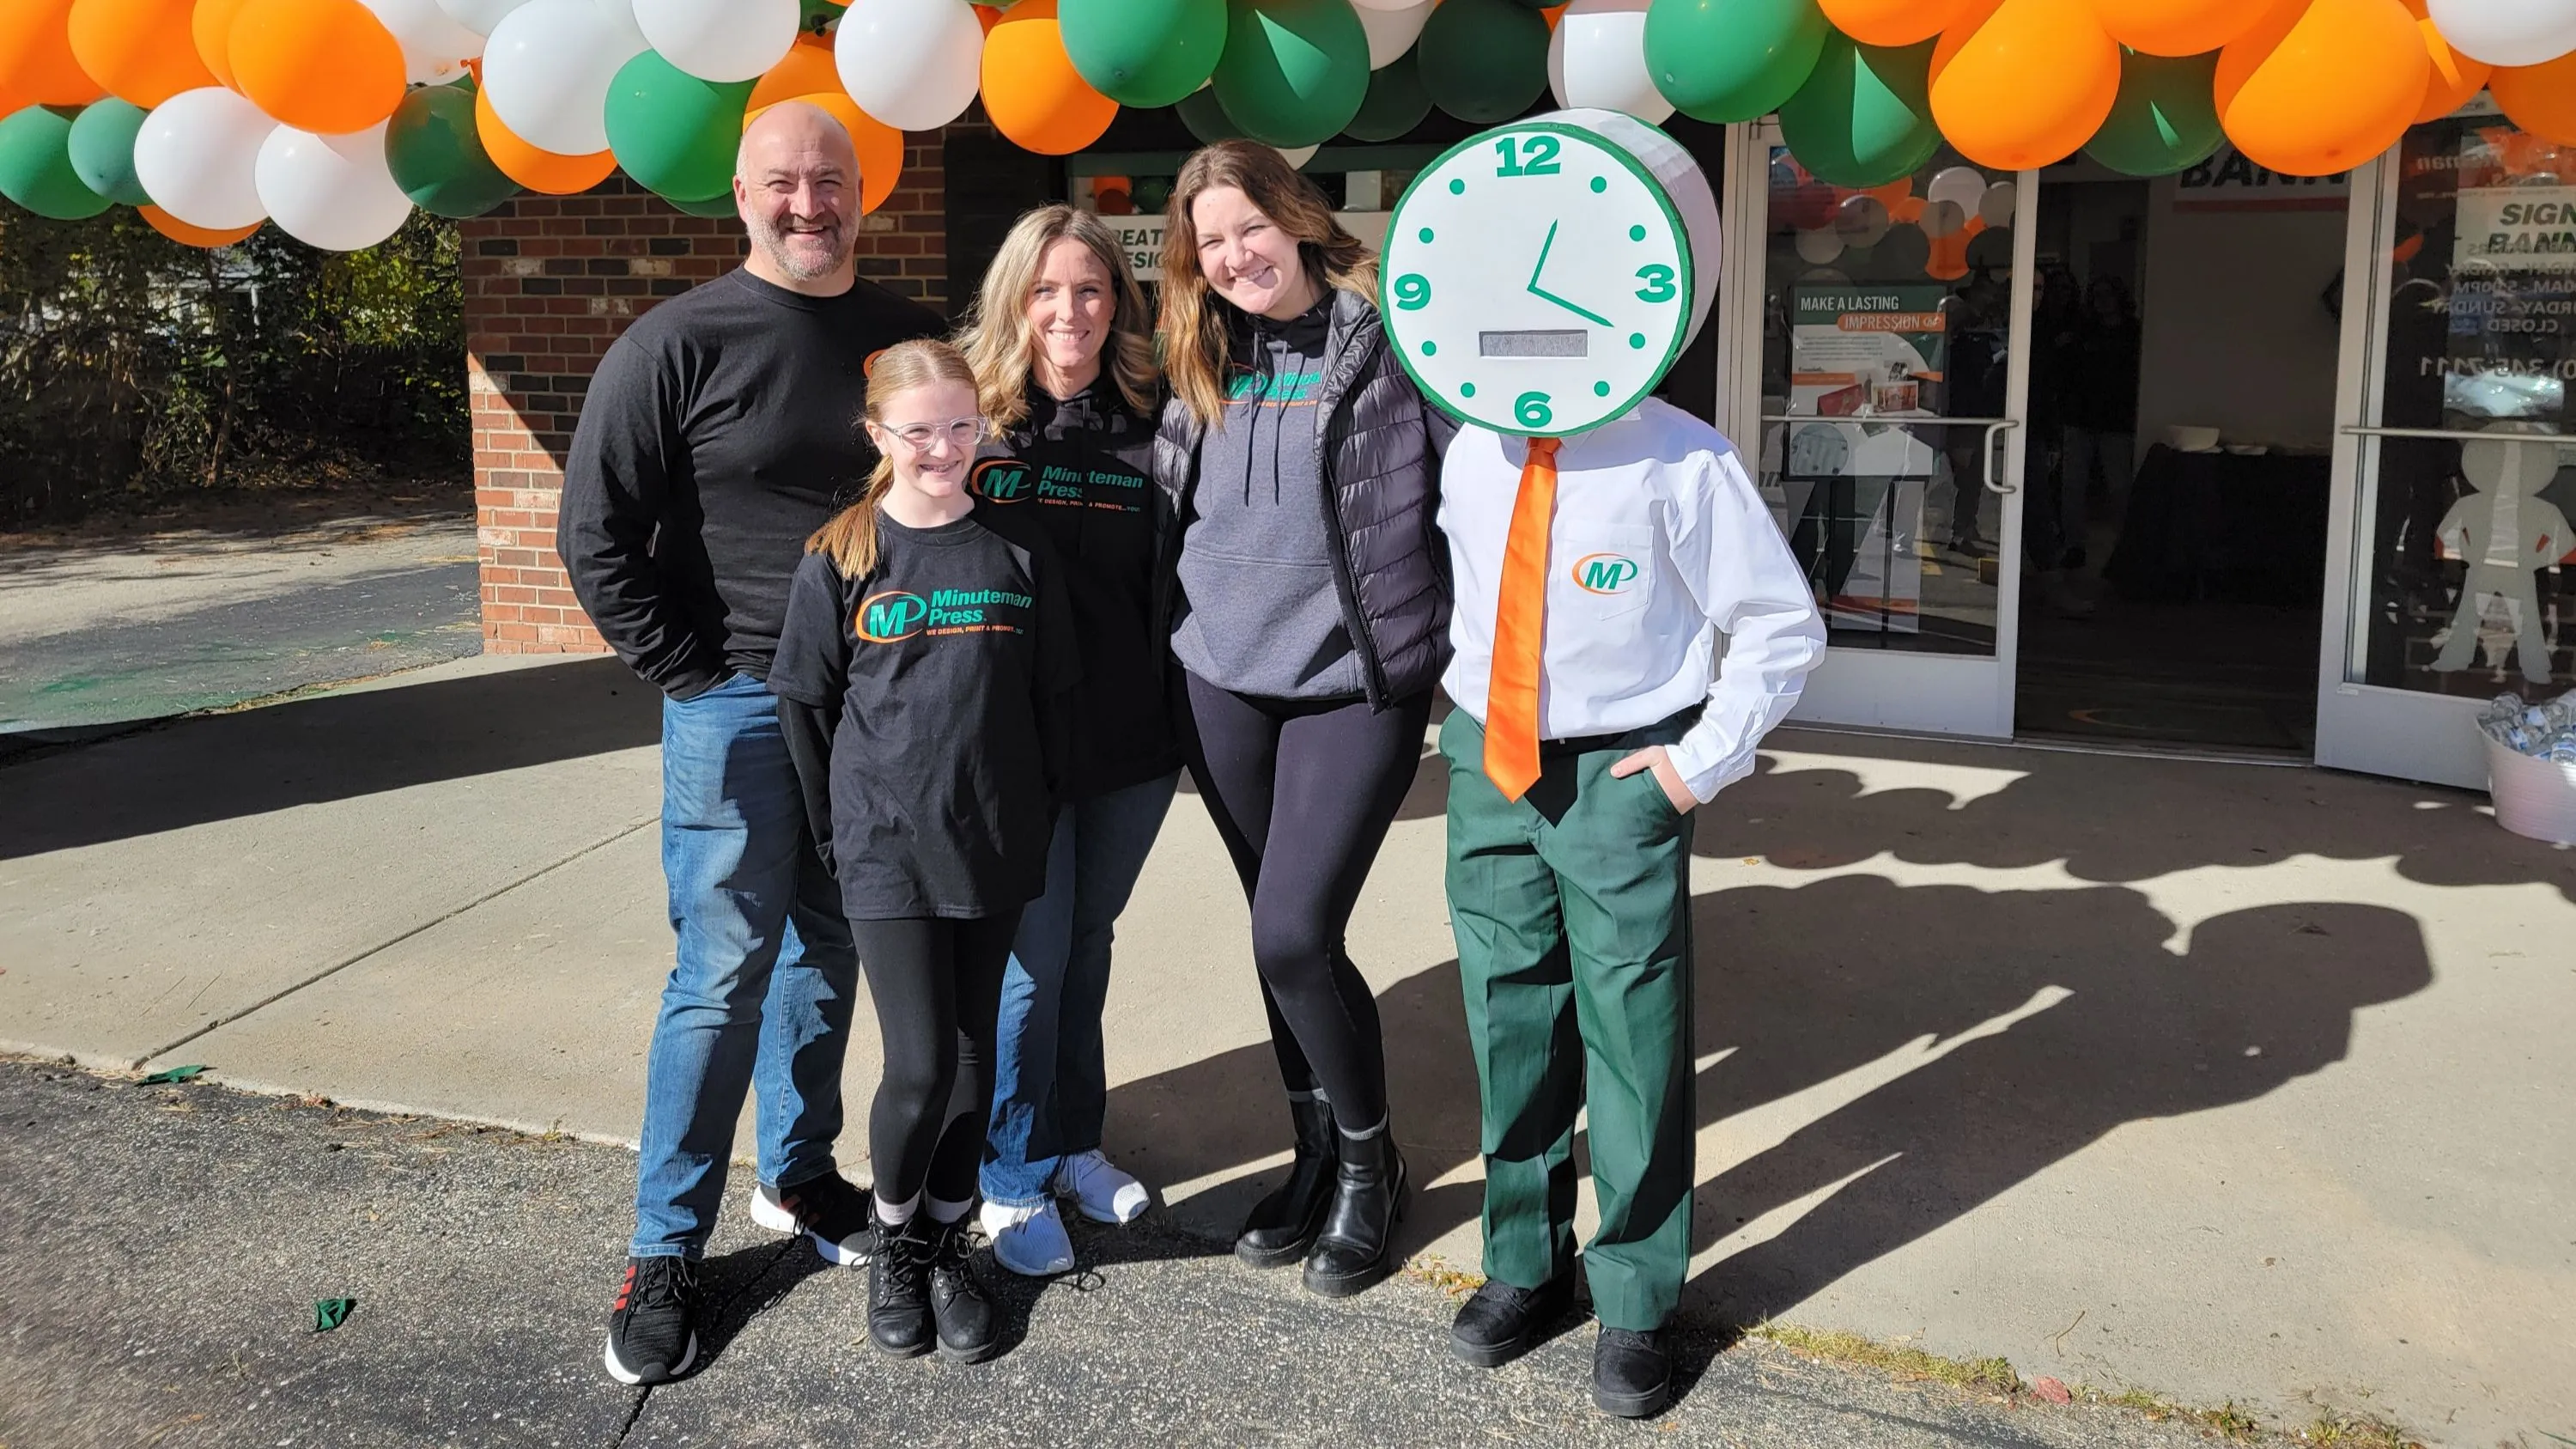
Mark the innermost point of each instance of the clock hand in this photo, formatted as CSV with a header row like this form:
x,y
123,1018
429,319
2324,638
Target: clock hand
x,y
1539,291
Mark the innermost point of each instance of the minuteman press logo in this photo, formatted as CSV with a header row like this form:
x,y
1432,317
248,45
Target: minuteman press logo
x,y
1001,480
888,617
1604,573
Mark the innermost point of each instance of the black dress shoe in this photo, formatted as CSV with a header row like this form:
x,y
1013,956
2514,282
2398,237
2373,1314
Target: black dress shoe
x,y
1283,1225
1632,1375
1501,1322
1357,1246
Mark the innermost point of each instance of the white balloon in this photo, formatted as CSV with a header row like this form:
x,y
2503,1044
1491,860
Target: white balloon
x,y
332,192
548,68
1820,246
1997,204
1961,184
1597,58
1297,156
630,31
480,16
720,40
913,64
434,46
1392,32
2507,32
198,156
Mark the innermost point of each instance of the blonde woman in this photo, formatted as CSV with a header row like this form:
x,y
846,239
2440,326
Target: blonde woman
x,y
1064,355
1310,615
920,675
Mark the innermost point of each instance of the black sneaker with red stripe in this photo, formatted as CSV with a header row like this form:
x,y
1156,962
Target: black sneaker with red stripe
x,y
652,1328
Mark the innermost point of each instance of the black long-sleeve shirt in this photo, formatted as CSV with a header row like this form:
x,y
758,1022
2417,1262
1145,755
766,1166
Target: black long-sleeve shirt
x,y
718,433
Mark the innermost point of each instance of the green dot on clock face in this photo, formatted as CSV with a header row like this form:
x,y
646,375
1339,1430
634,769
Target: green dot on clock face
x,y
1635,233
1600,183
1430,349
1637,340
1600,389
1425,234
1457,187
1466,389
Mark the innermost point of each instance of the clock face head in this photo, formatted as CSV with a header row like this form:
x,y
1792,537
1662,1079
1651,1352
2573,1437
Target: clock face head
x,y
1537,280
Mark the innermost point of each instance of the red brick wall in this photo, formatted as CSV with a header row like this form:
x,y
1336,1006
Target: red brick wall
x,y
549,282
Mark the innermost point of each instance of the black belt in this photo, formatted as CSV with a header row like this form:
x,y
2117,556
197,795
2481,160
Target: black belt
x,y
1679,723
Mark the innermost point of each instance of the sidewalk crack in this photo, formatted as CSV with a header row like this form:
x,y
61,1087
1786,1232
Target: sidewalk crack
x,y
392,941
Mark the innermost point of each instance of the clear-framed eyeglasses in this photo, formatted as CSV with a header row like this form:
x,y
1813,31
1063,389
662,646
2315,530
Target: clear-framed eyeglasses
x,y
961,433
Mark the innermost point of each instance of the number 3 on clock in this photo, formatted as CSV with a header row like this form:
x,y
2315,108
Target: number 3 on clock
x,y
1659,283
1536,156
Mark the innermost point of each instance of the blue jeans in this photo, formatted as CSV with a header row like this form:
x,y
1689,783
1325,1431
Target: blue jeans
x,y
1051,1078
760,999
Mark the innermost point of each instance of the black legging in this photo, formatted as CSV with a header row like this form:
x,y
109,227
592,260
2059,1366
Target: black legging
x,y
938,992
1303,793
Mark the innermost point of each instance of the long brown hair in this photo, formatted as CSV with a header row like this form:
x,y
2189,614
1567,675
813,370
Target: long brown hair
x,y
850,539
1195,348
997,337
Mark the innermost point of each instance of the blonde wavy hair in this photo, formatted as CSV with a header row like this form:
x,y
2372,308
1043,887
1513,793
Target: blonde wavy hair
x,y
998,340
850,538
1193,330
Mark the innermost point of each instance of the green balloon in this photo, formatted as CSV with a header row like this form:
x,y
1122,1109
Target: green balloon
x,y
1864,118
437,157
720,204
1206,119
101,148
2166,119
1143,52
1483,60
36,166
1732,60
1396,101
1294,71
674,133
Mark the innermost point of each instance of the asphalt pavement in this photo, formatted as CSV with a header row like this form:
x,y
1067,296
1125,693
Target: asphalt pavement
x,y
164,1248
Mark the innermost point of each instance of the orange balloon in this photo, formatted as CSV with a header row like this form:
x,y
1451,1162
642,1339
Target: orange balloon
x,y
2320,86
1892,22
1032,93
2455,77
2019,84
2540,98
325,66
1892,195
210,25
879,145
194,236
1554,13
141,50
37,67
988,16
550,172
807,69
2176,27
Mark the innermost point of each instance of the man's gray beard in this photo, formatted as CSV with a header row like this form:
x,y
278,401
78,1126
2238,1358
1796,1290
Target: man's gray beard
x,y
773,243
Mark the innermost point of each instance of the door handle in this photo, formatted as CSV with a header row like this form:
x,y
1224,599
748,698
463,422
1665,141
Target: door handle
x,y
1994,430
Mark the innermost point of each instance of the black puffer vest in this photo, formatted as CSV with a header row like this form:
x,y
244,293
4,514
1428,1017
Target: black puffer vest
x,y
1381,499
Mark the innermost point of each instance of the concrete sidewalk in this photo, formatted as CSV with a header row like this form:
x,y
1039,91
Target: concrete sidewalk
x,y
2231,1083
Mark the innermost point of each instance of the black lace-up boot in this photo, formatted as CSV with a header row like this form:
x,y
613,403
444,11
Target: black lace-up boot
x,y
899,1287
967,1326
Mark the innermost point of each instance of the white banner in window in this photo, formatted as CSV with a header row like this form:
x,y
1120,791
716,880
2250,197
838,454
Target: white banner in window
x,y
2516,228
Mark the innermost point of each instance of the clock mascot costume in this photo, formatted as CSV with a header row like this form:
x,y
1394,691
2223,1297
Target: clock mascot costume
x,y
1629,624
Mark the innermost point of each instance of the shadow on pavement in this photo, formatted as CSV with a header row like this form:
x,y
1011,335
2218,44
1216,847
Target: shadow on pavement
x,y
331,747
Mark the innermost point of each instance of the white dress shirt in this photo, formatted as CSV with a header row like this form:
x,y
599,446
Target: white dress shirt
x,y
1659,547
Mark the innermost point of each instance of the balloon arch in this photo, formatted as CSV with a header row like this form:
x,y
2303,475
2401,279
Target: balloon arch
x,y
335,118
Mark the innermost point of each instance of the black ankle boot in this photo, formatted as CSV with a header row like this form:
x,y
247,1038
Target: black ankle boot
x,y
959,1312
1283,1225
1357,1246
899,1287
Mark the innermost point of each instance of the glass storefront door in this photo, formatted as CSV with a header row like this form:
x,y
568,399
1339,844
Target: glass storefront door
x,y
1879,370
2453,489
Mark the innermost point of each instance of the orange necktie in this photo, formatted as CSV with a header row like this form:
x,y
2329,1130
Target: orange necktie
x,y
1511,691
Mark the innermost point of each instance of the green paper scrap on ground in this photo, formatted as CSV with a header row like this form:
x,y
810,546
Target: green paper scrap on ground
x,y
330,1313
175,1074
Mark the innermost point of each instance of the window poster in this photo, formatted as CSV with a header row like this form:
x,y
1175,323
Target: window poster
x,y
1875,351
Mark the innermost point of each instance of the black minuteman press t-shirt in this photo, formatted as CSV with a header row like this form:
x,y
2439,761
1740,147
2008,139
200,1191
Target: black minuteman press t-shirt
x,y
947,662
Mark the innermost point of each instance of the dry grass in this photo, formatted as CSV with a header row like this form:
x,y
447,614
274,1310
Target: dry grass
x,y
1985,1375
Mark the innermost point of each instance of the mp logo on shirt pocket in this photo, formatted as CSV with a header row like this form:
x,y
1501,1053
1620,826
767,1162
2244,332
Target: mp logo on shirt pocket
x,y
890,617
1610,572
1605,573
1002,480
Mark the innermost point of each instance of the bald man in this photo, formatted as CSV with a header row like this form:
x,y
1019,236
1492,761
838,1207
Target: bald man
x,y
719,432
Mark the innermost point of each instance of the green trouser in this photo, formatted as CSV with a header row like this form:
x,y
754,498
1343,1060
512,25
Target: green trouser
x,y
1572,912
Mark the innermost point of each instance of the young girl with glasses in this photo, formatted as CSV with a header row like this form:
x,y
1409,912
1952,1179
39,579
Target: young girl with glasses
x,y
919,676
